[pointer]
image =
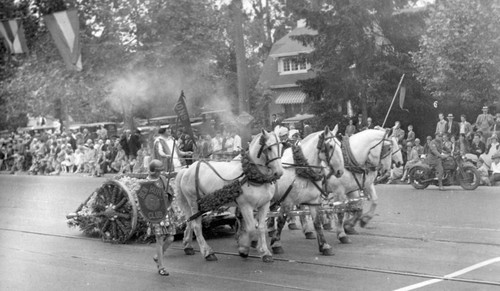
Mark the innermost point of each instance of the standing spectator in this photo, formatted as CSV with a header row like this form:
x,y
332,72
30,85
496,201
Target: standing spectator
x,y
360,125
495,169
134,144
124,141
237,147
186,144
102,132
452,127
308,129
441,124
369,124
3,155
484,121
350,129
217,142
463,145
275,121
495,129
410,137
86,135
397,132
465,127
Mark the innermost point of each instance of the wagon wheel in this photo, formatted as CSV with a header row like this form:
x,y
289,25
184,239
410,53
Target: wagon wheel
x,y
117,212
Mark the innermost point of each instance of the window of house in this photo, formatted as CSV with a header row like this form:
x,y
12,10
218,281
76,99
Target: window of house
x,y
290,65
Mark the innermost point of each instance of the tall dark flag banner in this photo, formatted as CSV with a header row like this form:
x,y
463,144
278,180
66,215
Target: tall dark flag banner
x,y
402,95
182,112
12,32
64,27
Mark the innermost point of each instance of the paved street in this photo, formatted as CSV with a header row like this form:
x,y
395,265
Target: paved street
x,y
417,237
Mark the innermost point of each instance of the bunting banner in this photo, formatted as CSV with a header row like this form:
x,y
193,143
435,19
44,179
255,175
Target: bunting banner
x,y
12,32
64,26
182,112
402,95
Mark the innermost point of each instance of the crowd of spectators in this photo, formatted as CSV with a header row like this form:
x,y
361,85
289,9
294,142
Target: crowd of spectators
x,y
96,154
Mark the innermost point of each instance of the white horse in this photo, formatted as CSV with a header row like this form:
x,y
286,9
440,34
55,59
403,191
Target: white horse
x,y
372,153
252,179
302,180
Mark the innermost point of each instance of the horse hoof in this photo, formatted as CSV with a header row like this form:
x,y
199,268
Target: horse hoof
x,y
243,255
327,226
189,251
267,259
327,252
310,235
345,240
277,250
254,243
350,230
211,258
364,221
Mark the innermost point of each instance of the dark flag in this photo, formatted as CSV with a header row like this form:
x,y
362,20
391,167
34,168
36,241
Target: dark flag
x,y
182,112
402,95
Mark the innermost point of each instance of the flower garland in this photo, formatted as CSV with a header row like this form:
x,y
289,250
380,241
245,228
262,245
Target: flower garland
x,y
252,173
303,170
218,198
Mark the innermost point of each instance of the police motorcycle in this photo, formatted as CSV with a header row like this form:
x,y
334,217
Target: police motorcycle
x,y
456,171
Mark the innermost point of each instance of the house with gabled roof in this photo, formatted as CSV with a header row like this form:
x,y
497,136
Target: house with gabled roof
x,y
282,69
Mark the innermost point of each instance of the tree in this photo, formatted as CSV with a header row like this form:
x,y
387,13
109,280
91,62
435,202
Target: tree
x,y
459,56
353,59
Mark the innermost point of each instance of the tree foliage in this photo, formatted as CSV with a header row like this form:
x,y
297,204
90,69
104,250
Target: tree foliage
x,y
459,56
354,57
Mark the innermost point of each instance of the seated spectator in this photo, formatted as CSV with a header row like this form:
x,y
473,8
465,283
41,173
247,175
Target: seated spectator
x,y
477,147
483,173
67,166
426,146
412,158
419,147
495,168
79,159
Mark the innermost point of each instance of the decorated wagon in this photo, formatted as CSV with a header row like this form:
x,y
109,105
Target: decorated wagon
x,y
119,210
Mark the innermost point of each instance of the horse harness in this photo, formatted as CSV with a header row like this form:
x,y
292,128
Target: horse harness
x,y
308,172
355,168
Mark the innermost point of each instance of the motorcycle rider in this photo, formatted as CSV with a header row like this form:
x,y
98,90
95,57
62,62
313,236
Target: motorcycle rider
x,y
435,156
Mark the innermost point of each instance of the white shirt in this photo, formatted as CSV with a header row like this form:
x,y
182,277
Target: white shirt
x,y
495,168
237,143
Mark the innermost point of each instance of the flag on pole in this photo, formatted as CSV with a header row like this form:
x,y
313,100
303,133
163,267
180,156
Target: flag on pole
x,y
64,27
182,112
12,32
402,95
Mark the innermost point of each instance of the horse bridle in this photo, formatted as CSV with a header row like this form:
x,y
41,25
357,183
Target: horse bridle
x,y
322,146
265,147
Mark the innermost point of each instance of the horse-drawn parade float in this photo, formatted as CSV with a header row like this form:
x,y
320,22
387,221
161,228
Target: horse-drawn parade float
x,y
252,195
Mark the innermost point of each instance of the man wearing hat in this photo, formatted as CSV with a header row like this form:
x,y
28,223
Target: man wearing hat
x,y
434,157
484,120
452,127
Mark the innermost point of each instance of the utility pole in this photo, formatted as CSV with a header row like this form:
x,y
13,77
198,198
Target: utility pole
x,y
241,65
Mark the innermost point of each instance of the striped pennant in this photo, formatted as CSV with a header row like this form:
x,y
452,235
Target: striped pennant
x,y
13,35
64,27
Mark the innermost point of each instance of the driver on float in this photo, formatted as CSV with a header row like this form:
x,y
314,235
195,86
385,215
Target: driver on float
x,y
435,156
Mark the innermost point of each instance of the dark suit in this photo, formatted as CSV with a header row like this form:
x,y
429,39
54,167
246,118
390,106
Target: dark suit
x,y
134,144
455,129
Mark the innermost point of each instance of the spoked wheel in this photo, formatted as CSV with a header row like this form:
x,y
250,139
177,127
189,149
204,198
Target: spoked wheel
x,y
469,178
417,175
117,212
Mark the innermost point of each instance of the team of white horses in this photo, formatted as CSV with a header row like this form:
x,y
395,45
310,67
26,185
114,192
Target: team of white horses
x,y
340,174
